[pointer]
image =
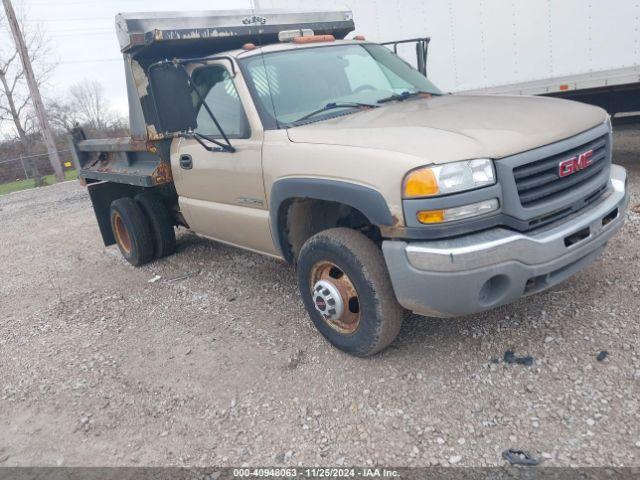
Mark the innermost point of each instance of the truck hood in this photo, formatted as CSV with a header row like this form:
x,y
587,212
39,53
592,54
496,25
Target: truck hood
x,y
456,127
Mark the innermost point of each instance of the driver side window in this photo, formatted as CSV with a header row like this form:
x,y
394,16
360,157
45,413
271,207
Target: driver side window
x,y
216,87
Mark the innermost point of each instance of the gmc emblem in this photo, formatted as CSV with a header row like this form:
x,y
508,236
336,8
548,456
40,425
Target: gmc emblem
x,y
575,164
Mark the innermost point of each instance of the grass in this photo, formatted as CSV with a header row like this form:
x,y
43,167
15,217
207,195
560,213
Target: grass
x,y
27,184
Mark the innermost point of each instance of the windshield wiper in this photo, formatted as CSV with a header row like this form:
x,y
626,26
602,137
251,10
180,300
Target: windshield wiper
x,y
404,95
333,106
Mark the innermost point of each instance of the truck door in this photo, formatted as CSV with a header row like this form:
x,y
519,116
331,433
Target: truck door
x,y
221,194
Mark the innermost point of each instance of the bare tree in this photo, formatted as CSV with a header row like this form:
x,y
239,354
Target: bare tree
x,y
63,115
85,105
15,99
16,110
89,105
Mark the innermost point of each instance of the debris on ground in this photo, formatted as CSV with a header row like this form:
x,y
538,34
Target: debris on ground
x,y
519,457
295,359
511,357
155,279
602,355
183,277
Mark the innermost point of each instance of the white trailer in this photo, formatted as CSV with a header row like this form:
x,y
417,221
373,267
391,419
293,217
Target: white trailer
x,y
587,50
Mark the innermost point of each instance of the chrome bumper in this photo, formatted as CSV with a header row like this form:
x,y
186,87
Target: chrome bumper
x,y
497,266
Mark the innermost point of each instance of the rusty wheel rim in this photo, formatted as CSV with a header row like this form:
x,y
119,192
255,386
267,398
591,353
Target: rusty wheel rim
x,y
346,319
121,233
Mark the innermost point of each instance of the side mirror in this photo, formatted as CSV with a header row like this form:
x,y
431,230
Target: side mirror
x,y
171,92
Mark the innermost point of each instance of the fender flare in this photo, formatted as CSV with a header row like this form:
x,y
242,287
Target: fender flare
x,y
368,201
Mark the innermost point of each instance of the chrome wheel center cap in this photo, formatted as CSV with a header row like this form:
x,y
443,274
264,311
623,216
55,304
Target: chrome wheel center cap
x,y
327,300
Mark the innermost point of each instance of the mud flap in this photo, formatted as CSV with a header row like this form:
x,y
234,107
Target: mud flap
x,y
102,194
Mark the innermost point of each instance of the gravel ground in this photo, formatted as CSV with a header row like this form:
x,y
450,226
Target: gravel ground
x,y
216,363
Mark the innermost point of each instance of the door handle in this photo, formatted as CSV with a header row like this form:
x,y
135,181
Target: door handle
x,y
186,162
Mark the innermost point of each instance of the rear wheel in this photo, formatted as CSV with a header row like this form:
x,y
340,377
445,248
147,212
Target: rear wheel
x,y
346,289
131,231
164,235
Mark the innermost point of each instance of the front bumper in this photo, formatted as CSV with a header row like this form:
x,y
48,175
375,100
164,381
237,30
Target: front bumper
x,y
476,272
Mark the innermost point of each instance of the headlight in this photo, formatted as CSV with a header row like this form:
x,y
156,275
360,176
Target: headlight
x,y
449,178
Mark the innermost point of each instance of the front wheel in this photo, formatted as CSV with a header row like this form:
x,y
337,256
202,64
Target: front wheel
x,y
346,289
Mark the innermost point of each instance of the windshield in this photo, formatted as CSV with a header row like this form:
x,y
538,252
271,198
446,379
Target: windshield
x,y
290,85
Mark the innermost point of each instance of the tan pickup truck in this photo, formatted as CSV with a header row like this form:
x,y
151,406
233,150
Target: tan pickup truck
x,y
274,133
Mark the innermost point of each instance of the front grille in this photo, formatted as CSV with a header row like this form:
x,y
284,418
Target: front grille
x,y
539,182
557,215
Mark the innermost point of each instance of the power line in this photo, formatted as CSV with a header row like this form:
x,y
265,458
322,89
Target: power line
x,y
79,2
96,60
73,19
85,29
81,34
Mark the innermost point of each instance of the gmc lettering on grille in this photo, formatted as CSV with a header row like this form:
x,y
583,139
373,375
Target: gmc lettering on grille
x,y
575,164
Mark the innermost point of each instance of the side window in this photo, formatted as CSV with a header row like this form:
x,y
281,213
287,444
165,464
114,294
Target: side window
x,y
216,87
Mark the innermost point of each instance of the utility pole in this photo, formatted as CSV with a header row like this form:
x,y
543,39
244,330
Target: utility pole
x,y
38,105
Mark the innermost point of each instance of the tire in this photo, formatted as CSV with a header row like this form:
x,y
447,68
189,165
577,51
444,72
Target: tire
x,y
367,325
164,235
131,231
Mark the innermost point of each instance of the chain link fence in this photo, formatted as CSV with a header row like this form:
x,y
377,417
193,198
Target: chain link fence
x,y
25,171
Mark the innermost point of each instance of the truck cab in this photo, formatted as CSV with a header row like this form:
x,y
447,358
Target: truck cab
x,y
274,133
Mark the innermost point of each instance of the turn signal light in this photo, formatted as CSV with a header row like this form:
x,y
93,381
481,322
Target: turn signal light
x,y
431,216
458,213
421,183
314,39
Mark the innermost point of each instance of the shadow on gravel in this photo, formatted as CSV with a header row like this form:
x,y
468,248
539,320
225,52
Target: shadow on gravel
x,y
435,337
188,241
437,334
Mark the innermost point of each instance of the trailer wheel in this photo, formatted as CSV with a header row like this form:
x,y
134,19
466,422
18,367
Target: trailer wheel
x,y
346,289
131,231
164,236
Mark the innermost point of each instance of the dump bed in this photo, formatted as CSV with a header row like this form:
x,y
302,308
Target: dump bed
x,y
154,36
147,38
128,160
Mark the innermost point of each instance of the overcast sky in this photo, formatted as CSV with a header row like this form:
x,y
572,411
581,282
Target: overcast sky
x,y
83,37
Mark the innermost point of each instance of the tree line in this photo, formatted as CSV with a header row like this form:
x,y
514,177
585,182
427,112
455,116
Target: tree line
x,y
83,104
